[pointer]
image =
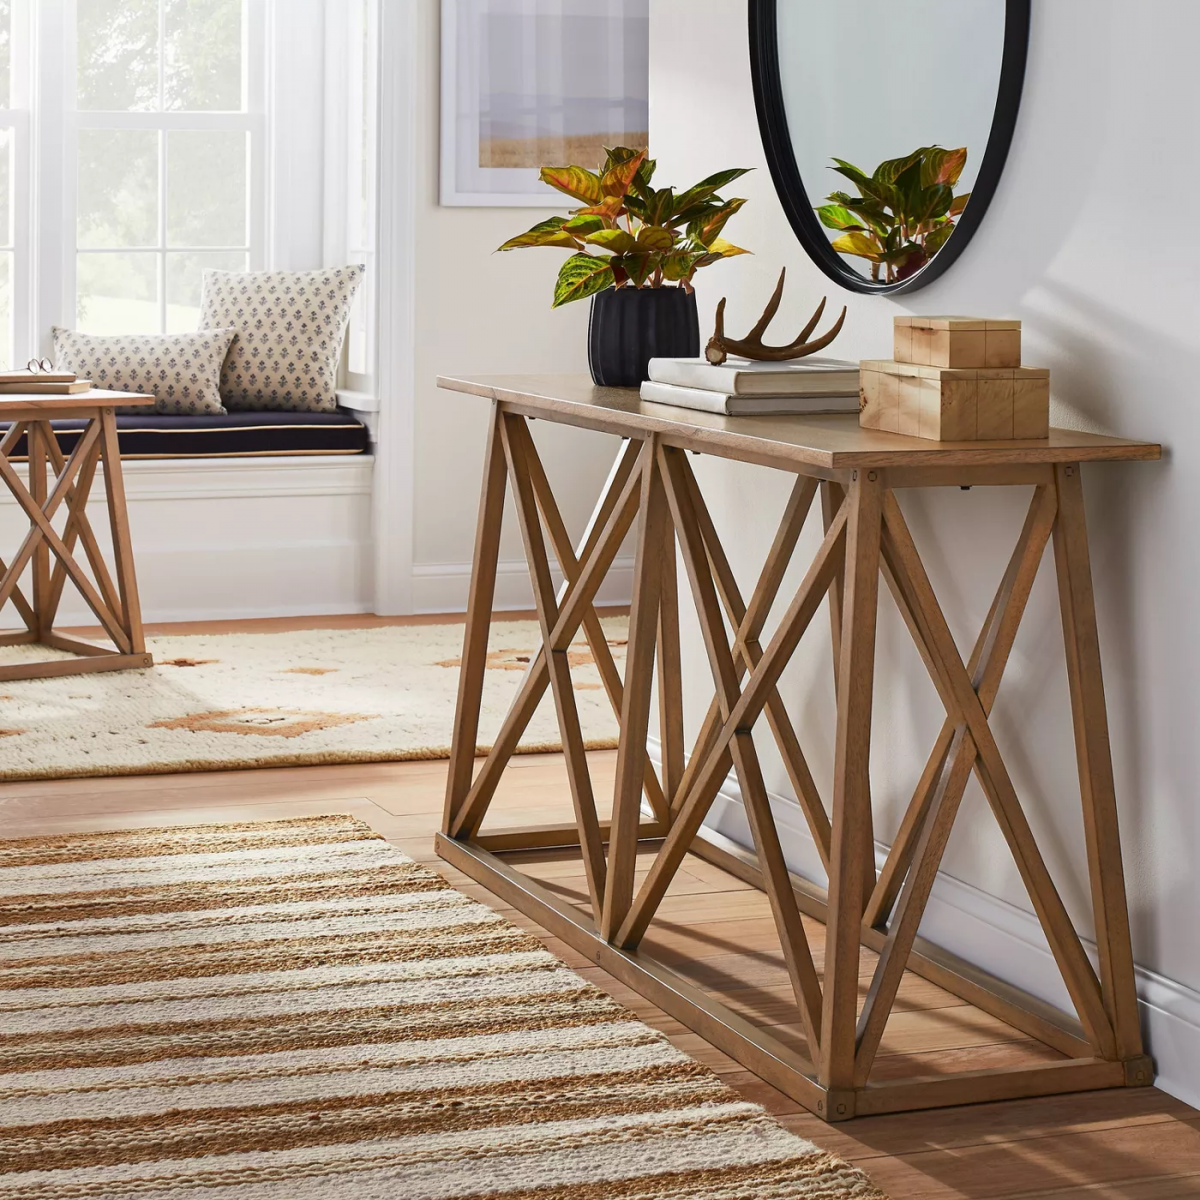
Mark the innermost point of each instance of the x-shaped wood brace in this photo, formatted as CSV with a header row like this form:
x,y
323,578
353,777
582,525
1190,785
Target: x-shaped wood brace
x,y
966,744
82,465
562,616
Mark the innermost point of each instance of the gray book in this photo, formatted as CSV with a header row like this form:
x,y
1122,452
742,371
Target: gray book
x,y
741,377
744,406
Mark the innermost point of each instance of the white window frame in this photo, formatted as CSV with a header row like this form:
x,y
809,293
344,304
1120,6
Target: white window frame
x,y
17,121
59,123
350,93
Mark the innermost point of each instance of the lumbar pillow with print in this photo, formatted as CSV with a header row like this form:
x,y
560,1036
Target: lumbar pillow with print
x,y
182,371
290,327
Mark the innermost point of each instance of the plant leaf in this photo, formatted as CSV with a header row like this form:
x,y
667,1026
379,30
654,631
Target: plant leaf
x,y
680,264
641,266
958,204
724,249
935,202
885,193
888,170
577,182
582,275
659,206
616,155
551,232
610,207
937,239
584,224
655,238
706,189
858,244
908,192
706,228
619,178
837,216
943,166
616,240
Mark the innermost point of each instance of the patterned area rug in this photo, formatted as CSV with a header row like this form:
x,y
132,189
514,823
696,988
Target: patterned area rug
x,y
295,1010
282,699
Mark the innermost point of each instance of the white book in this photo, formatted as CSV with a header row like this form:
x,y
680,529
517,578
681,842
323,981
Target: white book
x,y
703,400
742,377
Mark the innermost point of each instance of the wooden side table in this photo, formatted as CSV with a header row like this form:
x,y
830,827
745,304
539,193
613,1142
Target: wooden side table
x,y
857,473
57,482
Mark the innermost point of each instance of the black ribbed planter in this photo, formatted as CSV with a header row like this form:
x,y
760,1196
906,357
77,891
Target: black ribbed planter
x,y
630,326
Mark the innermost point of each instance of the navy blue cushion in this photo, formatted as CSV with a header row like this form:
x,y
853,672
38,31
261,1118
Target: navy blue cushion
x,y
153,435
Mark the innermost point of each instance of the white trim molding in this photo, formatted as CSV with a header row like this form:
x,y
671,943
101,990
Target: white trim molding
x,y
392,428
999,937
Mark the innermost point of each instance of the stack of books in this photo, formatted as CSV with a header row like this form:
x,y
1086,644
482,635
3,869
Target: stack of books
x,y
42,383
741,387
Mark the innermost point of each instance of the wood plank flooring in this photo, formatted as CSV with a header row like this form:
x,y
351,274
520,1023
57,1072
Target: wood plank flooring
x,y
1131,1144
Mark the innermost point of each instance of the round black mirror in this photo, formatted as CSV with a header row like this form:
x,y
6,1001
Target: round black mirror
x,y
886,126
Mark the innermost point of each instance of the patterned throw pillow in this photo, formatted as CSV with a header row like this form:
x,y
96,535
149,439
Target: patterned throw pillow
x,y
290,326
181,370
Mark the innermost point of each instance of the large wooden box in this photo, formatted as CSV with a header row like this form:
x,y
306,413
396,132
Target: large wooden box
x,y
946,405
957,342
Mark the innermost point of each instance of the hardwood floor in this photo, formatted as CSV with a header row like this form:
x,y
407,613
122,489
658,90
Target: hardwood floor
x,y
1130,1144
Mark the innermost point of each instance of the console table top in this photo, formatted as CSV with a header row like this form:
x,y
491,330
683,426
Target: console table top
x,y
77,404
830,442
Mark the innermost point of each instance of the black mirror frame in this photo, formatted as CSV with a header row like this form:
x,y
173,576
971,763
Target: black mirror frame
x,y
772,124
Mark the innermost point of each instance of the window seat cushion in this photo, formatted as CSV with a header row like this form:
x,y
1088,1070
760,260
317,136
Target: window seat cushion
x,y
227,435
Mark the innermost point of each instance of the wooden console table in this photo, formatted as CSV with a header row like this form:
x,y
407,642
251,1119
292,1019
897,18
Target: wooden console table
x,y
56,481
857,473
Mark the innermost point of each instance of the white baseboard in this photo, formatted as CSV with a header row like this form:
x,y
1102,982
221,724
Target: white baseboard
x,y
443,587
999,937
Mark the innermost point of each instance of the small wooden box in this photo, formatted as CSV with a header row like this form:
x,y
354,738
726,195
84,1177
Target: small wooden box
x,y
947,405
958,342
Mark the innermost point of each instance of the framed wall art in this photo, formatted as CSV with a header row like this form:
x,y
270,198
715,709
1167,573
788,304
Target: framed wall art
x,y
531,83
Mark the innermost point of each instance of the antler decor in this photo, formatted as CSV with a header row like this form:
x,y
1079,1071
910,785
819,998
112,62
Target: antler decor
x,y
720,347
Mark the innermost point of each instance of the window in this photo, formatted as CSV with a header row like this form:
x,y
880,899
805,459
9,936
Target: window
x,y
164,135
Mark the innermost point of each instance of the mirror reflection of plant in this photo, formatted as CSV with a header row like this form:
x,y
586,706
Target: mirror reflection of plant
x,y
904,212
651,236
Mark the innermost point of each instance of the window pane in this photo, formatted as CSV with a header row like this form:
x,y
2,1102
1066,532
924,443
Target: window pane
x,y
117,293
6,54
183,285
118,55
118,187
206,189
203,68
6,348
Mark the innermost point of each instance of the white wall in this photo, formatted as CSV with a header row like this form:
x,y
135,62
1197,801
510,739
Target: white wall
x,y
480,312
1109,298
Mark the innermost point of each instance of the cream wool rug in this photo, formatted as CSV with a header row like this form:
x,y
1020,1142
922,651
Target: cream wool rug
x,y
295,1010
277,699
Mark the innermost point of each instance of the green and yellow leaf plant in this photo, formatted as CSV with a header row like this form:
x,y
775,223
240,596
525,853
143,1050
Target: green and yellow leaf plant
x,y
904,211
628,233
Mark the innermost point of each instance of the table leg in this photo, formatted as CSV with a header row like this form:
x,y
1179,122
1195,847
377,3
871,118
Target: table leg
x,y
41,556
479,616
1094,756
118,515
851,798
635,707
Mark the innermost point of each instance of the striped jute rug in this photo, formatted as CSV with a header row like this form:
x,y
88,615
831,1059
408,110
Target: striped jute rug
x,y
296,1010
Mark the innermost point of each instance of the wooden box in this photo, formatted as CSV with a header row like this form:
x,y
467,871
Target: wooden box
x,y
946,405
957,342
